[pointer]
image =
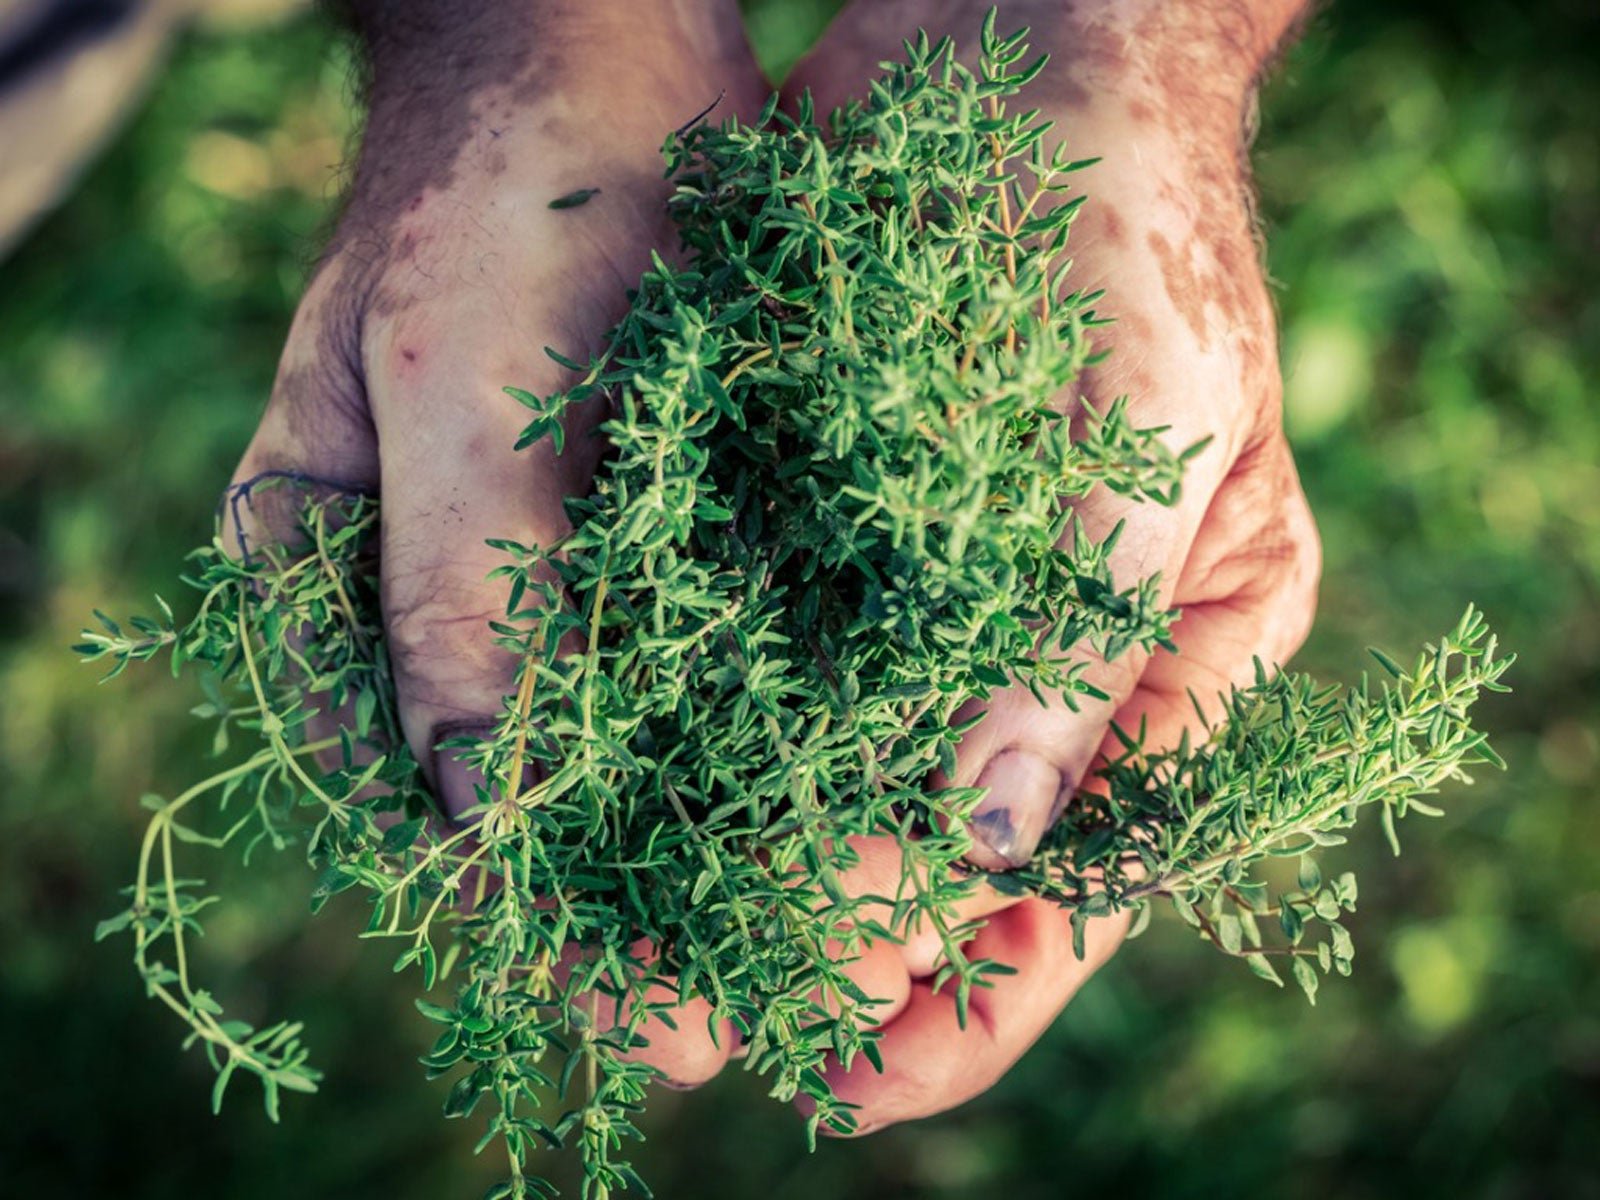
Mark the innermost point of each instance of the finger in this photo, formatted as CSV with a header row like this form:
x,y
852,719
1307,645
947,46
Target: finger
x,y
315,433
1030,757
314,441
451,481
876,967
931,1063
1247,592
689,1046
683,1039
1203,381
880,871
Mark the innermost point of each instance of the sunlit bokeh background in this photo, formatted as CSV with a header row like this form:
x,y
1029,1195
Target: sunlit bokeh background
x,y
1430,181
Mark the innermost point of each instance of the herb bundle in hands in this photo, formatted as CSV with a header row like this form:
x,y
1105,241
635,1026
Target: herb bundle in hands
x,y
835,514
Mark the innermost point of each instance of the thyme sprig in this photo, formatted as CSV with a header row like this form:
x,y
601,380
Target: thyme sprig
x,y
836,508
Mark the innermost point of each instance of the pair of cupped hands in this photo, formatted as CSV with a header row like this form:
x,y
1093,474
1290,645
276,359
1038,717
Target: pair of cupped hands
x,y
449,273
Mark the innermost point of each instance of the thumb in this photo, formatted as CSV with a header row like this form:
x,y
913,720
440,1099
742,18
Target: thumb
x,y
1030,757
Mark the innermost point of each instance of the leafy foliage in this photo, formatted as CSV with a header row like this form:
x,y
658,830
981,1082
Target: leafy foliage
x,y
836,510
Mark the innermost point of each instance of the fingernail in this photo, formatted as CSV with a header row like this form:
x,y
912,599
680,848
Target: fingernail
x,y
1024,791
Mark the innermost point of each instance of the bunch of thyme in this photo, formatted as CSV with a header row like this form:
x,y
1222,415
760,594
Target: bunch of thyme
x,y
835,509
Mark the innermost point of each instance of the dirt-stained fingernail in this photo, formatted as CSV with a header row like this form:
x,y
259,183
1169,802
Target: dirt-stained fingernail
x,y
1024,792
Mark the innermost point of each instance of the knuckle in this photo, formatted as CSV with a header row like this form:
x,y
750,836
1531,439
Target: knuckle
x,y
439,622
1265,558
445,657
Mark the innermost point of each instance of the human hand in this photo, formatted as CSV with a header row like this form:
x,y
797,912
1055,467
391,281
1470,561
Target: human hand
x,y
447,276
1161,92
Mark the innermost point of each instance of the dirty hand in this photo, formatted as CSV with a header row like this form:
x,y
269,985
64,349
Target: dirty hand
x,y
1161,91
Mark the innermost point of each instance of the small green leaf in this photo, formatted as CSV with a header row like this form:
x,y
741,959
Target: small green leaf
x,y
575,199
434,1012
1228,933
1260,966
400,837
224,1074
1306,976
113,925
1310,874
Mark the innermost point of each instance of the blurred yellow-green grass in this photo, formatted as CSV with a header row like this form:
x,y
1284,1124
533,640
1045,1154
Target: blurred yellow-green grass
x,y
1430,181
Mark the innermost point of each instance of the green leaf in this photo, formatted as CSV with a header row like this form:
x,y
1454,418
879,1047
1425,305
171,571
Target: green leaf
x,y
224,1075
575,199
464,1094
113,925
1387,663
1228,933
365,709
1141,921
1344,949
333,880
1260,966
1290,919
1326,906
703,884
1306,976
434,1012
1310,874
398,838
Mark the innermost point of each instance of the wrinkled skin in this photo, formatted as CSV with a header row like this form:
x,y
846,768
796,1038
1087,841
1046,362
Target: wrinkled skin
x,y
449,273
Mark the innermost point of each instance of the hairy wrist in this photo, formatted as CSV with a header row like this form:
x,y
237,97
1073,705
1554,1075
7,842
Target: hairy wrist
x,y
1235,39
479,95
1188,67
436,70
468,42
1196,61
389,28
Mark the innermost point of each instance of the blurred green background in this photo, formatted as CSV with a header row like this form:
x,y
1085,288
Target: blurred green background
x,y
1430,179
